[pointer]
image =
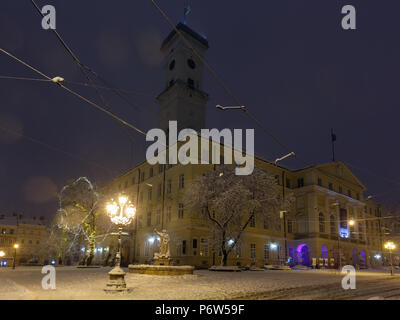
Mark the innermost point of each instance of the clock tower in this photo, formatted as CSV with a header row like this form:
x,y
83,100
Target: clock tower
x,y
183,98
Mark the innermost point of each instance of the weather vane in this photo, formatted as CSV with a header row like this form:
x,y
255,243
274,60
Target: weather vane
x,y
186,11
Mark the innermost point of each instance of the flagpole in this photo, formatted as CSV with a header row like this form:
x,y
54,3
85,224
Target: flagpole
x,y
333,138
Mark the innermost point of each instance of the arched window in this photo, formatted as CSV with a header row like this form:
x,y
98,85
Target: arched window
x,y
333,224
321,222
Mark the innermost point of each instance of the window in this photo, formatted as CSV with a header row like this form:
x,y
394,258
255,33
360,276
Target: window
x,y
300,182
158,216
126,185
358,196
191,64
287,183
142,176
146,249
133,180
204,247
11,231
140,222
277,181
340,189
3,231
266,224
168,213
172,65
184,247
149,219
266,251
321,219
150,193
181,181
320,182
252,251
160,168
349,193
151,172
252,221
290,226
169,186
190,83
159,190
37,241
194,243
330,186
180,211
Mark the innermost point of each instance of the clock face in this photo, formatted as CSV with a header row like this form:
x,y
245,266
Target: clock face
x,y
191,64
172,65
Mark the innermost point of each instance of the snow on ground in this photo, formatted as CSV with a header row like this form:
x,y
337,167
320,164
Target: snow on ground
x,y
75,283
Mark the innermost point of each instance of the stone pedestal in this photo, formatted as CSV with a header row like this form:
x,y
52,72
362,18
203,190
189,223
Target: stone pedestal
x,y
116,282
162,261
160,270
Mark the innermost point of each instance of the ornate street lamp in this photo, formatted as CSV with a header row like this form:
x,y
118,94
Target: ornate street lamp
x,y
390,246
16,246
121,213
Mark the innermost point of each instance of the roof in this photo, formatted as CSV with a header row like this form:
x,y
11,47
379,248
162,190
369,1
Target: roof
x,y
12,221
189,31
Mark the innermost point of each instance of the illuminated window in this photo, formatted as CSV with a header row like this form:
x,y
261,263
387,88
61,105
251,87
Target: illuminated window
x,y
181,181
252,250
180,211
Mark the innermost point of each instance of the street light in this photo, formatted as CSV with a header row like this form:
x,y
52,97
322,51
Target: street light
x,y
283,213
2,254
121,213
352,222
390,246
16,246
230,107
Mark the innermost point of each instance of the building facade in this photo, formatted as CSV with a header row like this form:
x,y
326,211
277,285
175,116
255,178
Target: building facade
x,y
29,234
329,224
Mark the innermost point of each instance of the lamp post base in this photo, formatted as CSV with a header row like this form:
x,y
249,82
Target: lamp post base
x,y
116,282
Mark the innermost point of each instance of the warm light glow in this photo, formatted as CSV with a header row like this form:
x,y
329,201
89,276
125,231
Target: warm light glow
x,y
121,213
151,240
16,246
390,245
122,200
112,209
2,254
352,222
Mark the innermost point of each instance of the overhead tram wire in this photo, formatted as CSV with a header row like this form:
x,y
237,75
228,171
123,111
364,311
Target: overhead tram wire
x,y
109,113
83,71
83,67
75,83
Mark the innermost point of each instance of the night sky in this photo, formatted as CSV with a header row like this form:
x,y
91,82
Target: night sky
x,y
289,62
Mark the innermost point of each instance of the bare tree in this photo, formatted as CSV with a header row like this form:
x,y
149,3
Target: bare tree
x,y
79,214
231,202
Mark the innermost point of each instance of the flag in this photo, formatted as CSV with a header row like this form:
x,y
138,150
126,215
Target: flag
x,y
188,9
333,136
